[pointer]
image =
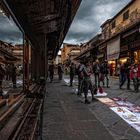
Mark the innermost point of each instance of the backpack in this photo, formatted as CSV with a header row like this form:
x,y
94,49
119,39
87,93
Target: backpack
x,y
80,71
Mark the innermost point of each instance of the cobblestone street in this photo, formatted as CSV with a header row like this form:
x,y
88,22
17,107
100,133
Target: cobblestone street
x,y
67,117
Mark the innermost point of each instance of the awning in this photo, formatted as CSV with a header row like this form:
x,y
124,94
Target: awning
x,y
113,49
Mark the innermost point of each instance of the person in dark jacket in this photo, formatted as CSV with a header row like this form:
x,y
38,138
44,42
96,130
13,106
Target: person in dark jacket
x,y
106,72
72,73
14,75
51,71
60,71
123,75
96,71
80,78
87,84
128,67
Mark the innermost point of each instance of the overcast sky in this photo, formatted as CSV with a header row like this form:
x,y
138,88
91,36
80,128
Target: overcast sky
x,y
86,24
9,32
91,14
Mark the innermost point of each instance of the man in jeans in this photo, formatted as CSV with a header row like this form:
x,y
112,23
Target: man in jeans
x,y
96,71
127,67
87,71
72,73
80,78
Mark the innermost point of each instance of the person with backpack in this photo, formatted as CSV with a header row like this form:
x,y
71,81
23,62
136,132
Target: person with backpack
x,y
80,78
72,73
105,68
96,71
51,72
60,71
87,84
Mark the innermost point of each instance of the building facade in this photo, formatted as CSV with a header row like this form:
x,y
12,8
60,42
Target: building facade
x,y
121,35
67,52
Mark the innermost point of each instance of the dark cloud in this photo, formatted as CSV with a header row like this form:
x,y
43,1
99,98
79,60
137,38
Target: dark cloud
x,y
9,32
90,16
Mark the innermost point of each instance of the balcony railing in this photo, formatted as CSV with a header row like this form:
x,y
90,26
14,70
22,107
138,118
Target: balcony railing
x,y
134,18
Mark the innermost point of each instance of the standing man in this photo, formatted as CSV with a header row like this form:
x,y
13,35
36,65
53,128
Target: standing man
x,y
96,71
72,73
80,78
51,72
60,71
128,67
14,75
106,72
87,84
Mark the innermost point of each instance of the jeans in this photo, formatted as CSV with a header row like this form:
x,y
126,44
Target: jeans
x,y
123,79
80,85
136,84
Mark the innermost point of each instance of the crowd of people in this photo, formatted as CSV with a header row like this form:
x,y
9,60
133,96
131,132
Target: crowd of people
x,y
9,72
128,71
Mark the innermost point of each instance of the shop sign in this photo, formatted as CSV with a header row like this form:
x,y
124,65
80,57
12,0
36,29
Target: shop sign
x,y
124,48
100,56
135,44
113,49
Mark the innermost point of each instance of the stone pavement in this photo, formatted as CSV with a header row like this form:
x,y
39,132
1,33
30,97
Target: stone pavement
x,y
66,117
119,129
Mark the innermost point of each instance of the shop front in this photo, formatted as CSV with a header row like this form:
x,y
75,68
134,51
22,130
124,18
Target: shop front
x,y
101,56
124,52
130,44
113,52
135,49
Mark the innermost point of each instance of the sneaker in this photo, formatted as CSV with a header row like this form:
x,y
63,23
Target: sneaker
x,y
87,102
78,94
94,99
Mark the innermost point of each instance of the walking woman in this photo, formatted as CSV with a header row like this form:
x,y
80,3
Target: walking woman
x,y
87,71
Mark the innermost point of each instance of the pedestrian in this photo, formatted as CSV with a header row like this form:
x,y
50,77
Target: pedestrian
x,y
2,74
14,75
96,71
87,84
51,72
72,73
80,78
101,74
123,75
127,67
105,69
135,77
60,71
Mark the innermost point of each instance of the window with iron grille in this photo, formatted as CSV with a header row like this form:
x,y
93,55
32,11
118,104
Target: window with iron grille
x,y
126,15
113,25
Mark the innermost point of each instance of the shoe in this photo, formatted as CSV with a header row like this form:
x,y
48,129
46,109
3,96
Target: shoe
x,y
78,94
108,86
120,87
94,99
87,102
